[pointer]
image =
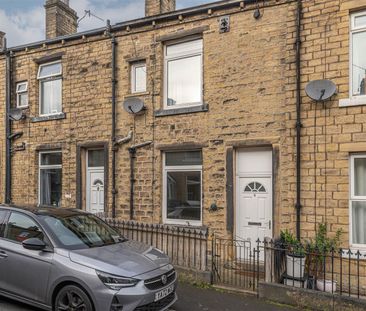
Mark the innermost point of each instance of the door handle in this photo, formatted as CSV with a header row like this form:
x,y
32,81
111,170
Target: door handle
x,y
3,255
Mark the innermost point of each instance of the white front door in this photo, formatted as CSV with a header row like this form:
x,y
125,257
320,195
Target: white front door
x,y
254,195
95,191
255,208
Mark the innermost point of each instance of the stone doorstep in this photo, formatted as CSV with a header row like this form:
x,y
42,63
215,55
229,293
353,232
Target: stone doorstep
x,y
309,299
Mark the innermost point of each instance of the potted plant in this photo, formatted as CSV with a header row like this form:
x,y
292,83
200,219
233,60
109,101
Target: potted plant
x,y
295,257
318,249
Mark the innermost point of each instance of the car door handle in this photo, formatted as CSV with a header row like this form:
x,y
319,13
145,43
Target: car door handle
x,y
3,255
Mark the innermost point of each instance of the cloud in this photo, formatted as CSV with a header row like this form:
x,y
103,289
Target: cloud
x,y
26,26
22,27
114,10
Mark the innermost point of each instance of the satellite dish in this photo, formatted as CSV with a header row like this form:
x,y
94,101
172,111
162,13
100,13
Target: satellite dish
x,y
133,105
320,90
16,114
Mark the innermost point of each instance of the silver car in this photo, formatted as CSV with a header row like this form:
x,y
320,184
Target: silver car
x,y
62,259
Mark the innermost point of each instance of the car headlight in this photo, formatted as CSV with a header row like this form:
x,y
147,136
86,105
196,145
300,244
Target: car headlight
x,y
116,282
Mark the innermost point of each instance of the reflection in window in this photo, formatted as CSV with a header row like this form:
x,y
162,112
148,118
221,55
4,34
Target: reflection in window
x,y
358,201
183,186
21,227
255,187
358,41
96,158
50,175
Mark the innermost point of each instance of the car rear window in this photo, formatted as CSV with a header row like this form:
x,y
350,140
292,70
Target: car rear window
x,y
3,214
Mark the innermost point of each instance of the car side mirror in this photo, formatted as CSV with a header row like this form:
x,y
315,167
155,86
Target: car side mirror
x,y
34,244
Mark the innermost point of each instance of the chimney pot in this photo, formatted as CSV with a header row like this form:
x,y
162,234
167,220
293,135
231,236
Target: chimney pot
x,y
2,41
156,7
61,20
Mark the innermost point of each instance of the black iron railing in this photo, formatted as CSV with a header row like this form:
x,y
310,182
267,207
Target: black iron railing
x,y
186,247
335,270
243,263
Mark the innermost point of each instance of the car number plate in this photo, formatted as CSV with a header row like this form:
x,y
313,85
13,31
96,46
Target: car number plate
x,y
165,292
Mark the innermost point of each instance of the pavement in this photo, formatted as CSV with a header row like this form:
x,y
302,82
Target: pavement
x,y
192,298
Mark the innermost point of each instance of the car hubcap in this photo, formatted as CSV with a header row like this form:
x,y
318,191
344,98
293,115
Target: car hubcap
x,y
71,301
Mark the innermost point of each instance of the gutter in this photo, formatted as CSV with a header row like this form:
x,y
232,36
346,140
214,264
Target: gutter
x,y
145,21
298,205
8,127
114,146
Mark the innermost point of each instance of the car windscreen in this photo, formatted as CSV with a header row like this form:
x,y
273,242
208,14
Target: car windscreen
x,y
81,231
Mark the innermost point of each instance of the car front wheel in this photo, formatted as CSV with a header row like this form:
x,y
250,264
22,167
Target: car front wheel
x,y
72,298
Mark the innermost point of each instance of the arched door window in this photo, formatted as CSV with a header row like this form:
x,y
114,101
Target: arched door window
x,y
255,187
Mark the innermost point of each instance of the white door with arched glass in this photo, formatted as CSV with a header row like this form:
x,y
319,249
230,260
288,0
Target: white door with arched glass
x,y
255,208
254,195
95,181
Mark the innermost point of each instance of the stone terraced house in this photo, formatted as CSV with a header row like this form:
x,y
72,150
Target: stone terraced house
x,y
194,117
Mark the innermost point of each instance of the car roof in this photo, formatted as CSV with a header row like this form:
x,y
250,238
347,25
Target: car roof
x,y
45,211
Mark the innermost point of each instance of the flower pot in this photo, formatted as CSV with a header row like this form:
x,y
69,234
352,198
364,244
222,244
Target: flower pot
x,y
327,287
295,266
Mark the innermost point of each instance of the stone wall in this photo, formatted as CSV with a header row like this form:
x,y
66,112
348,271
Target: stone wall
x,y
246,75
330,133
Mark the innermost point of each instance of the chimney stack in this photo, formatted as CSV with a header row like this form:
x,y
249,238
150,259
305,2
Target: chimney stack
x,y
61,20
2,41
156,7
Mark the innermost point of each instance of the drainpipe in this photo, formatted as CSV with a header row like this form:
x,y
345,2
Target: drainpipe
x,y
8,128
132,151
298,119
114,146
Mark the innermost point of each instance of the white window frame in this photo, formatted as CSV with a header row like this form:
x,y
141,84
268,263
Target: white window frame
x,y
134,66
180,168
178,56
45,167
19,93
55,76
353,100
353,198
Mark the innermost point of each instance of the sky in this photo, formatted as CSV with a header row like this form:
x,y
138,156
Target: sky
x,y
23,20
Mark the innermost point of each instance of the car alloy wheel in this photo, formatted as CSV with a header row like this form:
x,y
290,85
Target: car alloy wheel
x,y
72,298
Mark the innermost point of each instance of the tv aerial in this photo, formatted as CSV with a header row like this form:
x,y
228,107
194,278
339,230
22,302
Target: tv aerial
x,y
320,90
88,13
133,105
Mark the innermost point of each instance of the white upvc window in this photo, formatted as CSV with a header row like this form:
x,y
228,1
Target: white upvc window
x,y
138,77
22,94
50,88
183,73
358,55
182,194
358,200
50,178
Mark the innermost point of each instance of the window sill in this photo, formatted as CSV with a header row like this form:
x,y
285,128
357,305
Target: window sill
x,y
178,224
52,117
178,111
137,94
354,101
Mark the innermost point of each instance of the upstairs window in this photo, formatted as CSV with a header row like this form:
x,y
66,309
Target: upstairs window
x,y
50,88
138,77
183,74
358,55
22,94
